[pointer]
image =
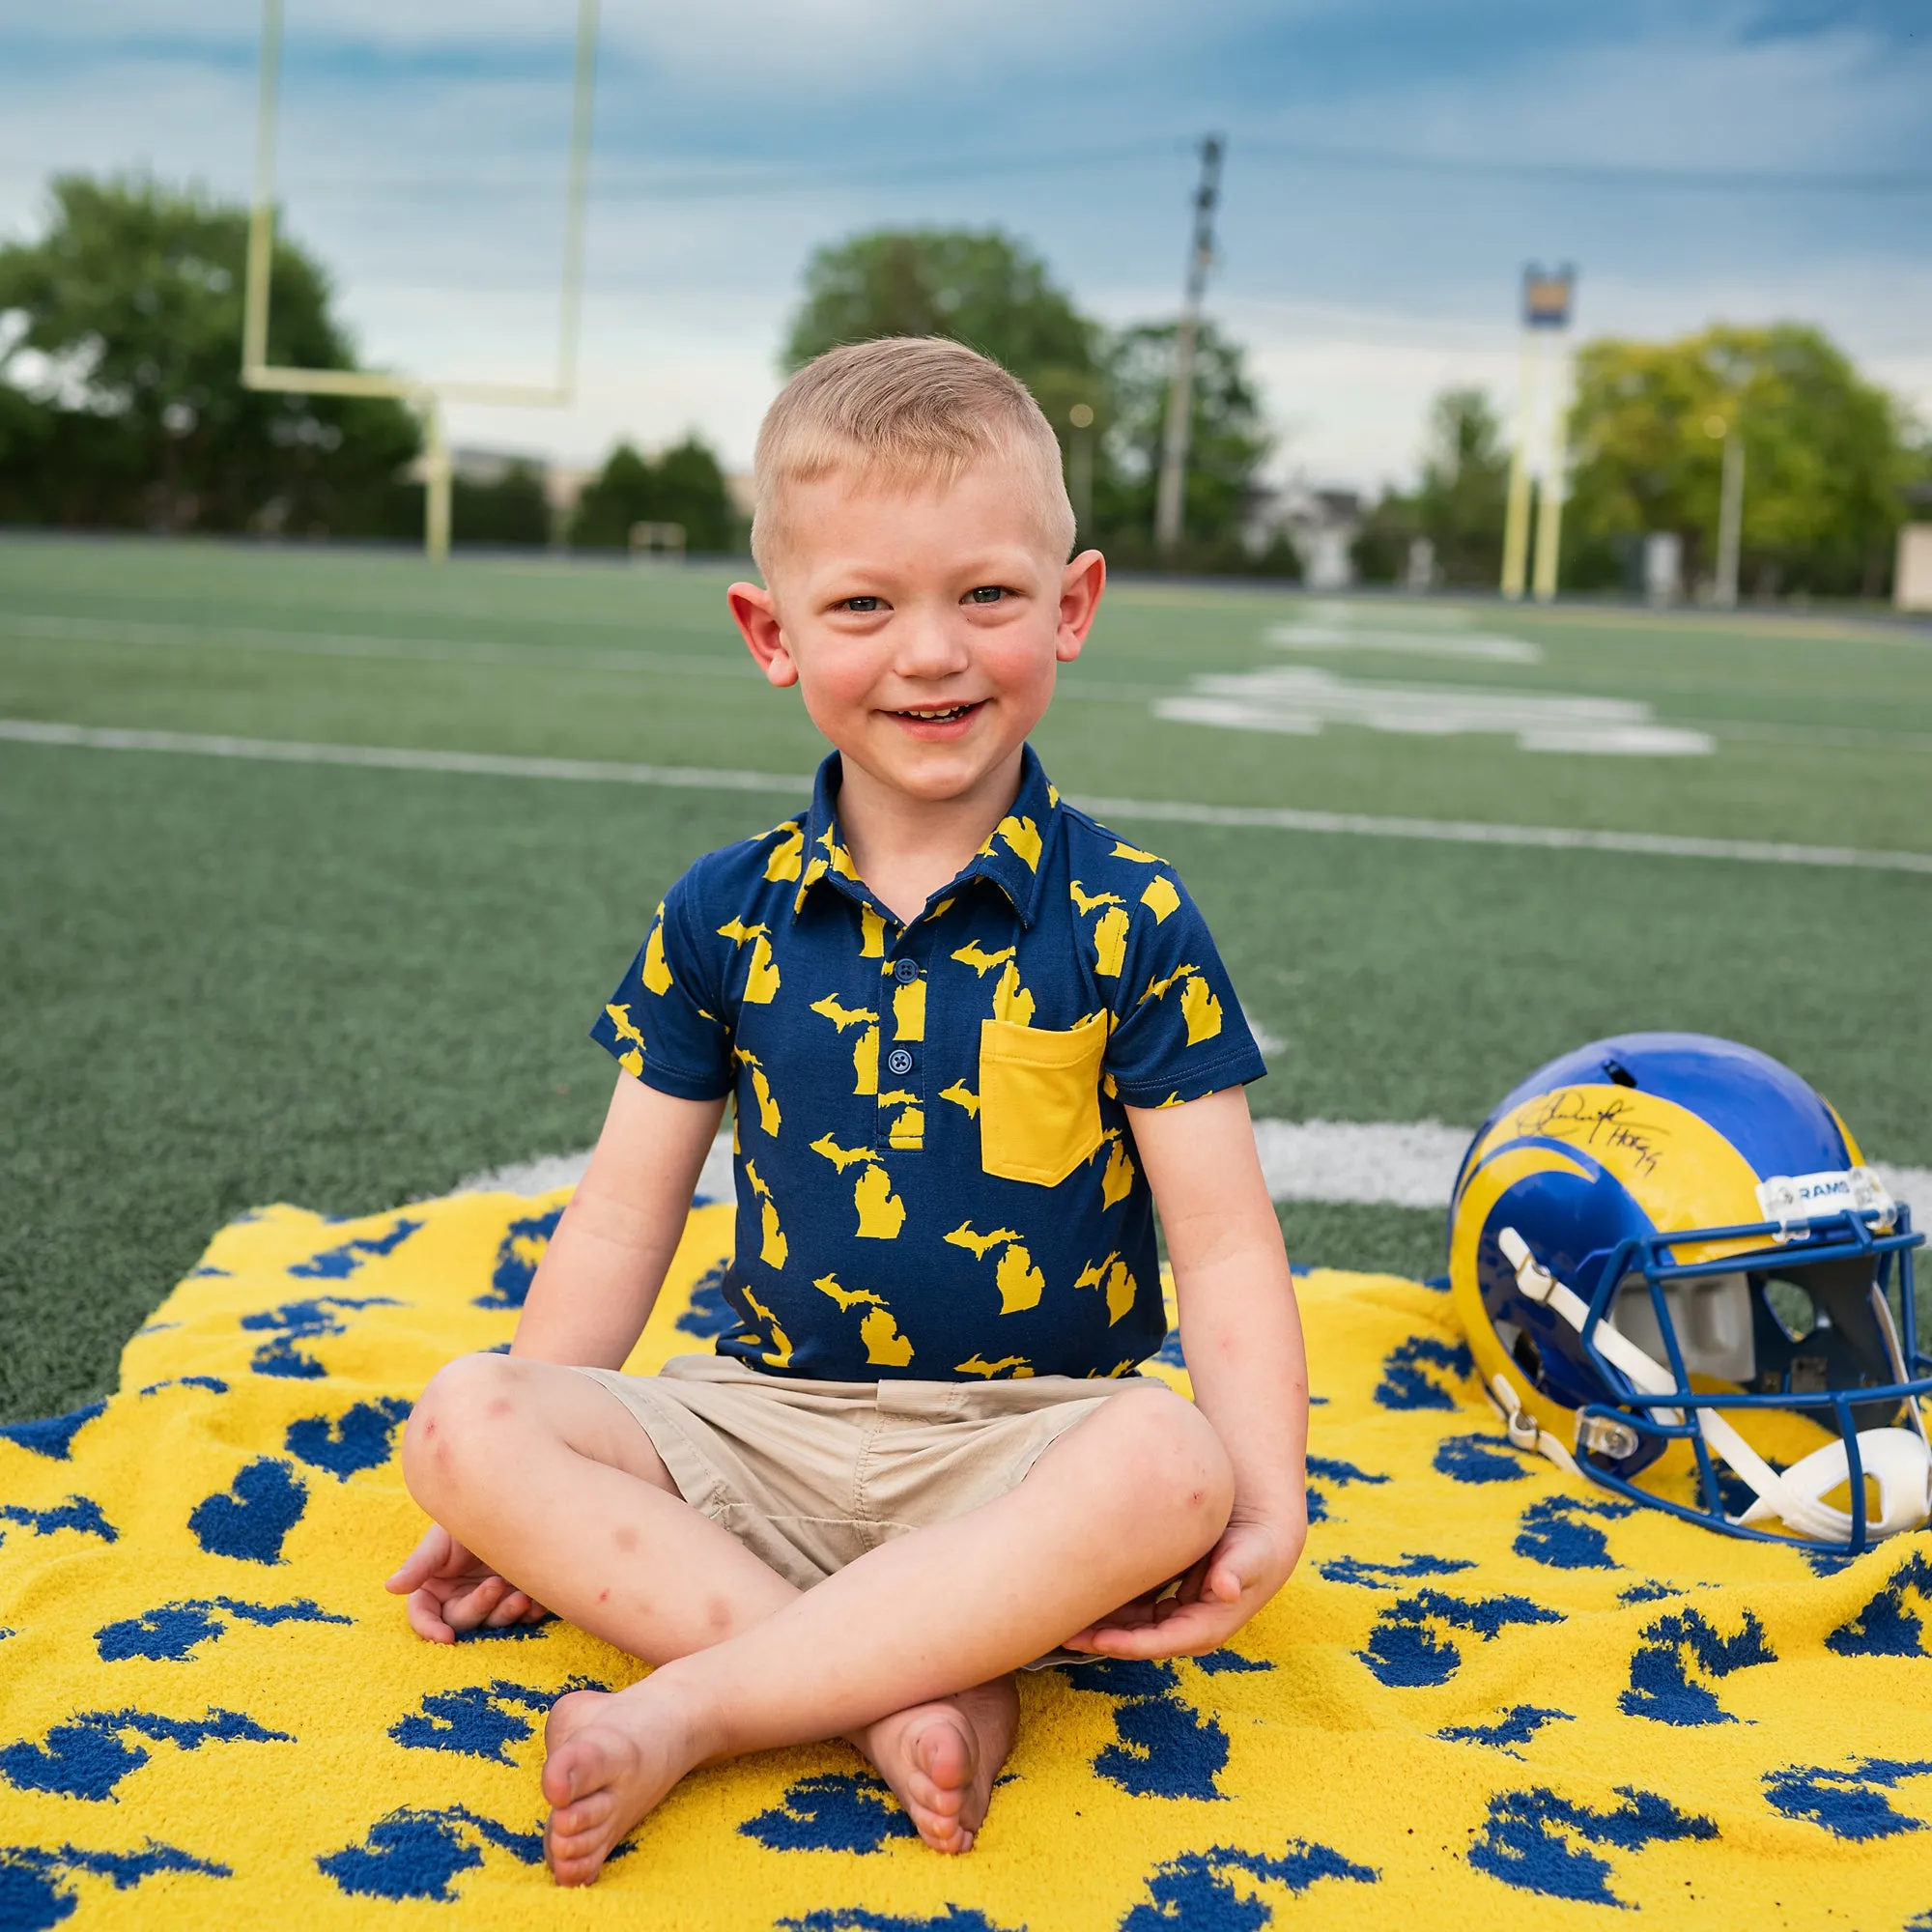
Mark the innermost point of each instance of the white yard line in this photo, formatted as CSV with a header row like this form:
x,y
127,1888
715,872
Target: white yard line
x,y
1476,832
1373,1163
1178,811
1355,1163
401,650
403,758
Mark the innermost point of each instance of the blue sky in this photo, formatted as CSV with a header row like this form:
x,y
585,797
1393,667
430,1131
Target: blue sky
x,y
1391,165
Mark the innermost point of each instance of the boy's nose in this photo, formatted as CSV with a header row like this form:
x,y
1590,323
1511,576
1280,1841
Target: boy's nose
x,y
930,646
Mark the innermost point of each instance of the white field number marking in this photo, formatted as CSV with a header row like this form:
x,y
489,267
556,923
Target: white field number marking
x,y
1299,700
1481,646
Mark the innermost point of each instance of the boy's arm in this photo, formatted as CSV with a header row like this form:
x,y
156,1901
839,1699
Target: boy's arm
x,y
1242,1337
600,1276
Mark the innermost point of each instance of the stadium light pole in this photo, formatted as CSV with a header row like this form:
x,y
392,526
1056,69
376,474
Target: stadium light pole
x,y
1730,510
1545,310
1516,517
1551,488
426,395
1170,495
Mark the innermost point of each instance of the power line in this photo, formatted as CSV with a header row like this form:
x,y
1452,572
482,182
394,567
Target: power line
x,y
678,181
804,177
1602,174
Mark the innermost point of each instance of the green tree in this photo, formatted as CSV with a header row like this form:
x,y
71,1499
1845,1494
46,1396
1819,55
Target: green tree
x,y
1459,506
1456,505
1380,552
1826,458
986,290
983,289
989,291
124,334
1227,445
511,510
684,485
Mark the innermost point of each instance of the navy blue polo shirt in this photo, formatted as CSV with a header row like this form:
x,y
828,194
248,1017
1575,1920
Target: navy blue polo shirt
x,y
936,1177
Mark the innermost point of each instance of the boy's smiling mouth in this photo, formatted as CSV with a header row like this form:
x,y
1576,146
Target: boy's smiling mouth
x,y
932,720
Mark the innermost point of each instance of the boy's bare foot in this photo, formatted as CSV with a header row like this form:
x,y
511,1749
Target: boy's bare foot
x,y
941,1760
611,1759
608,1762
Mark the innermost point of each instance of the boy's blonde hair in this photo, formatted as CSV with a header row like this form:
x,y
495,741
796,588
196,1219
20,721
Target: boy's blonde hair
x,y
910,411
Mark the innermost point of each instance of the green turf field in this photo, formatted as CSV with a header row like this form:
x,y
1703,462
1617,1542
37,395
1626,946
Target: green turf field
x,y
227,982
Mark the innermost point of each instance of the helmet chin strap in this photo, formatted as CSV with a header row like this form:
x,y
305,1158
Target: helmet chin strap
x,y
1525,1431
1897,1459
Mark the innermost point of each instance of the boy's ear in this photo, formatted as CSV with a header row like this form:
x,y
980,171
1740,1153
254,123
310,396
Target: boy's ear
x,y
755,613
1081,584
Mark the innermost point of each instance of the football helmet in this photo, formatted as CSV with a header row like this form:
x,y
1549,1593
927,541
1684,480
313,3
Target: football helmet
x,y
1672,1262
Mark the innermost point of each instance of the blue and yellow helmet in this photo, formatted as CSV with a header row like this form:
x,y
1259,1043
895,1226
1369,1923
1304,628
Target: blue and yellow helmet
x,y
1673,1264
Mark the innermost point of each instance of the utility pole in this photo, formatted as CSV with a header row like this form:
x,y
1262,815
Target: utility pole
x,y
1167,516
1730,511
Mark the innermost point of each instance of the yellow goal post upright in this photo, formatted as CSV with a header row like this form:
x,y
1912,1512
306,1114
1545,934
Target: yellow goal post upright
x,y
427,395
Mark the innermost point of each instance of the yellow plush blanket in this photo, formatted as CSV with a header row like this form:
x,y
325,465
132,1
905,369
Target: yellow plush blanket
x,y
1490,1697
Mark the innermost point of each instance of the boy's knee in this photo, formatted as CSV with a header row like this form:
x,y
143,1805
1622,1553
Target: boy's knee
x,y
467,1404
1179,1463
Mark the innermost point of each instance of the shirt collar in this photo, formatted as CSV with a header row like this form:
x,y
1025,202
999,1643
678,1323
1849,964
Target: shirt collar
x,y
1012,857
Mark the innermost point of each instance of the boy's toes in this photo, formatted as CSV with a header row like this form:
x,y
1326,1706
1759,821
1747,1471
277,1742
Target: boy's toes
x,y
578,1841
943,1834
943,1759
930,1756
583,1816
943,1751
570,1867
574,1763
920,1793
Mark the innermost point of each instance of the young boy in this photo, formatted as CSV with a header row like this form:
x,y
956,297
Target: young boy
x,y
973,1039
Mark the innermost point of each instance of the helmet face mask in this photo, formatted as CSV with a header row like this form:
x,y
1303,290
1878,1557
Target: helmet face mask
x,y
1745,1369
1819,1328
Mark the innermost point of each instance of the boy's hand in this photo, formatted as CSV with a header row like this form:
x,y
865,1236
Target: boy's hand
x,y
1216,1596
450,1590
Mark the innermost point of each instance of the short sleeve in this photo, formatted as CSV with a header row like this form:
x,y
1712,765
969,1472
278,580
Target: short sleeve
x,y
1178,1032
665,1022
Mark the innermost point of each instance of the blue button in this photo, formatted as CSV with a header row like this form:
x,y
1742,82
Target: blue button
x,y
899,1061
906,972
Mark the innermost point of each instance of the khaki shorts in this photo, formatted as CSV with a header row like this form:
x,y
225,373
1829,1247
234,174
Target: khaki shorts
x,y
811,1475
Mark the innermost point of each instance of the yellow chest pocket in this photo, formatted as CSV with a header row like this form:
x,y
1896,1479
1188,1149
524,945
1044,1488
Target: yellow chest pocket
x,y
1039,1098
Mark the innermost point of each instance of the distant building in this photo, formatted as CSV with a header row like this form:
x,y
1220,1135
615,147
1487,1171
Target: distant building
x,y
485,469
564,483
1321,523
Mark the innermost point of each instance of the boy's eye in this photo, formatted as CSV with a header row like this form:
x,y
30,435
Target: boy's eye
x,y
986,593
863,605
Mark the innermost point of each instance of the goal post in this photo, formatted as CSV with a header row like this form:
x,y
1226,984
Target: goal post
x,y
426,394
